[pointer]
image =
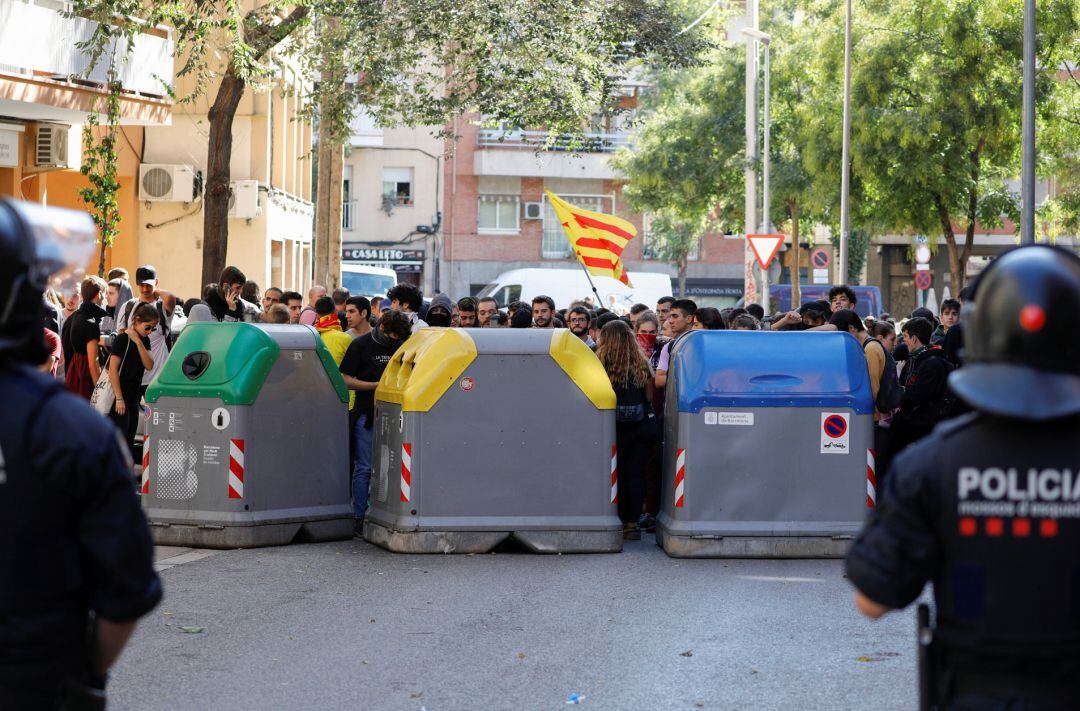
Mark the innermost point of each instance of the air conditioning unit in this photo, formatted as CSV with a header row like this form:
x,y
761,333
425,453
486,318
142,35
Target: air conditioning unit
x,y
534,211
51,147
244,200
166,183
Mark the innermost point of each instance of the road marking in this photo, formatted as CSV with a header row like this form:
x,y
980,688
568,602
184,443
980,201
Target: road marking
x,y
166,557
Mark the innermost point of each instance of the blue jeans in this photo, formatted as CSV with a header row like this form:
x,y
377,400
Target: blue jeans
x,y
361,474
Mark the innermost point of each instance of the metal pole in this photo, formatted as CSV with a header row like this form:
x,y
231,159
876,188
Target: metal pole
x,y
845,158
1027,180
751,150
766,221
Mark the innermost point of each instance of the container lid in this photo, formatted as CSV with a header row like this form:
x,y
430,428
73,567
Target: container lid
x,y
770,369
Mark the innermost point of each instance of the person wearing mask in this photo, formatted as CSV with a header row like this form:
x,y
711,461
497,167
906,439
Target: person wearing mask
x,y
295,303
925,400
272,296
163,302
646,330
81,368
487,313
984,507
543,312
636,427
222,300
76,557
467,312
407,299
358,316
308,316
130,360
363,365
680,321
578,318
439,313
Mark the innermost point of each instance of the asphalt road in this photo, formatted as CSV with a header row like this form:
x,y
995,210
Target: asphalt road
x,y
349,626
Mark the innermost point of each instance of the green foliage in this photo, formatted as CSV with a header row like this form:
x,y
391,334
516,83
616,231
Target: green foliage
x,y
99,167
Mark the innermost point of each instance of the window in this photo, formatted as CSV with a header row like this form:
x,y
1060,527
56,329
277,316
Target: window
x,y
555,244
499,213
397,186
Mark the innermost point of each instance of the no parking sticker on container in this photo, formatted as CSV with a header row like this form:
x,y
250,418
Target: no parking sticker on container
x,y
834,433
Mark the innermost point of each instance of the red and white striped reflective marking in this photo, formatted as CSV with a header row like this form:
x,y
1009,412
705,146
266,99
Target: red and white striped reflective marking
x,y
236,468
614,474
406,472
871,479
144,487
680,474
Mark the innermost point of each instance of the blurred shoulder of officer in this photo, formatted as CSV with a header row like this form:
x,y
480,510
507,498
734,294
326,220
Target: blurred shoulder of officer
x,y
76,558
988,506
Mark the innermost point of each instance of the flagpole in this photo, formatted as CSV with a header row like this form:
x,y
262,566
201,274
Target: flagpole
x,y
589,277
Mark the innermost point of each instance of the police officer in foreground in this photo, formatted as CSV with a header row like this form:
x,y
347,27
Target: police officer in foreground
x,y
988,506
76,558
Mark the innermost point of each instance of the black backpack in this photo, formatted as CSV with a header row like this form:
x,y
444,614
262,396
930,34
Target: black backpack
x,y
889,390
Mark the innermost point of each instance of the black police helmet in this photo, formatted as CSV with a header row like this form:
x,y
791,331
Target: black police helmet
x,y
1022,349
35,243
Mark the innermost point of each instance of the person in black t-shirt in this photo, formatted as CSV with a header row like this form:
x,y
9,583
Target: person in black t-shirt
x,y
130,359
361,367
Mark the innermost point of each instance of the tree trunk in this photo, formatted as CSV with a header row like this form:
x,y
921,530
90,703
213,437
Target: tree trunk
x,y
959,272
682,275
796,287
101,259
216,192
950,240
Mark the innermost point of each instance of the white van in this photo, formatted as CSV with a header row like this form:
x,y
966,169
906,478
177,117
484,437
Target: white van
x,y
362,280
568,285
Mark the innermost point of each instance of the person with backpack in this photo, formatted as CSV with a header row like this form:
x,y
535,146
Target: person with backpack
x,y
926,400
636,427
884,383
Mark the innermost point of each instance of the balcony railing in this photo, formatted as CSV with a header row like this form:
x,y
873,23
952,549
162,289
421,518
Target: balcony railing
x,y
587,143
38,40
348,215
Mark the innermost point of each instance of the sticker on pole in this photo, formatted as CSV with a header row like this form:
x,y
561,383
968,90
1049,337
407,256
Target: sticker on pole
x,y
765,247
834,433
467,384
923,280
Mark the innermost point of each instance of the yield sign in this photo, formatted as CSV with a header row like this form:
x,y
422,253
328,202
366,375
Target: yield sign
x,y
765,247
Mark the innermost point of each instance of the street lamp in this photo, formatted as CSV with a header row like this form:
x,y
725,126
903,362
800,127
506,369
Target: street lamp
x,y
766,39
845,157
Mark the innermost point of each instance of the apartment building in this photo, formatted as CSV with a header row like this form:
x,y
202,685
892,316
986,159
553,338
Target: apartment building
x,y
46,96
271,213
392,200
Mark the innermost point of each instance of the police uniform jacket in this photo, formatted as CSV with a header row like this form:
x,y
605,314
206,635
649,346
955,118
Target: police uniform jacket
x,y
73,537
987,508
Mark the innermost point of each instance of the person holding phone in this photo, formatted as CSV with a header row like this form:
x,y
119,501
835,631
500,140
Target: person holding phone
x,y
222,300
130,360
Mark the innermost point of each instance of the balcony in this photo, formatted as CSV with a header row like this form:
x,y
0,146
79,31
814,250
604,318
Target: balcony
x,y
348,215
39,53
589,143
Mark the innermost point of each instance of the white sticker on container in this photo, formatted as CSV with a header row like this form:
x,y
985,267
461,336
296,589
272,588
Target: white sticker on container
x,y
835,437
745,419
710,418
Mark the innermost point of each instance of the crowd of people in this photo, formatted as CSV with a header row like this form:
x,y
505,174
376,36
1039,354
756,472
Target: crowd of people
x,y
114,336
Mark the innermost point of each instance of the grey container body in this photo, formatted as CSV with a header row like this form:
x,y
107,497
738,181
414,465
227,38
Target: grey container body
x,y
764,490
523,454
294,461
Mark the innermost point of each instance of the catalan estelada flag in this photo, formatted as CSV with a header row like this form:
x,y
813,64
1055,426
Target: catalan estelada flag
x,y
598,239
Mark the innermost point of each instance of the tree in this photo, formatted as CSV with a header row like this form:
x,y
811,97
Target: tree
x,y
936,104
99,167
417,62
688,161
